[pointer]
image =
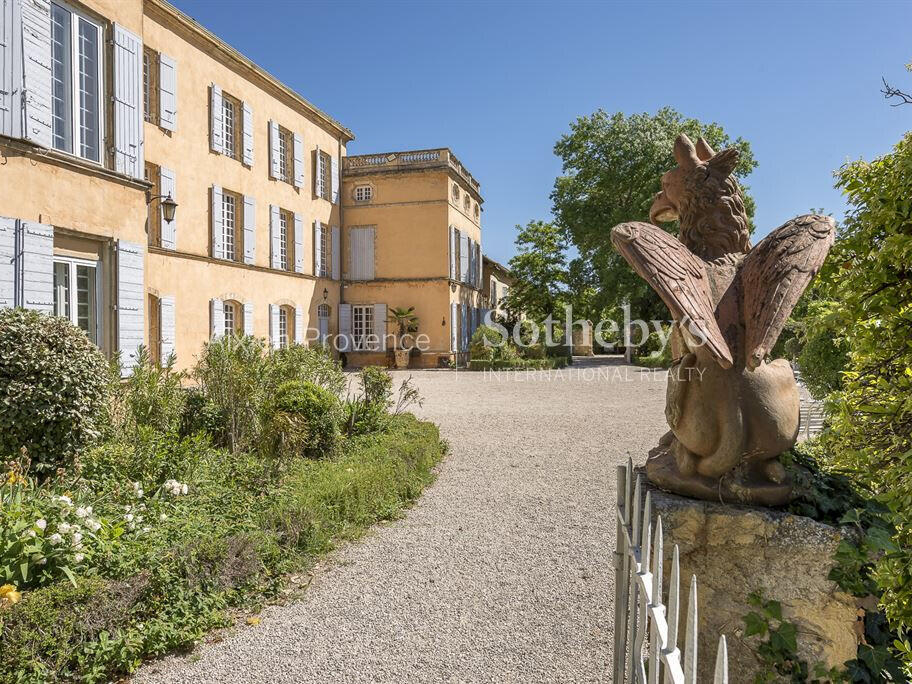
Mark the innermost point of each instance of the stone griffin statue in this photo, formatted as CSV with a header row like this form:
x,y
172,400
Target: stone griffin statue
x,y
732,411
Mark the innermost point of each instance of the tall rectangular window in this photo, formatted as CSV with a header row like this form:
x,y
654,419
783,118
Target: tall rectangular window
x,y
321,175
283,327
229,225
151,86
284,166
152,174
363,327
76,78
76,294
228,308
283,239
324,253
230,125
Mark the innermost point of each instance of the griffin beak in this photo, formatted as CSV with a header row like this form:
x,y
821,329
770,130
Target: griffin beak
x,y
662,211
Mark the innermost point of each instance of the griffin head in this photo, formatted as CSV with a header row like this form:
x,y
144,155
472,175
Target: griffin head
x,y
701,193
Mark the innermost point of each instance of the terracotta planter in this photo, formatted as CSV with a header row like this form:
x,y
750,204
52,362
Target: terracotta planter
x,y
402,358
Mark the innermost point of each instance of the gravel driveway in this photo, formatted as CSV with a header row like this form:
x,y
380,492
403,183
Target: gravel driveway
x,y
500,573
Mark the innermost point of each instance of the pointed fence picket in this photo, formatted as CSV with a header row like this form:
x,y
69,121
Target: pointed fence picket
x,y
639,578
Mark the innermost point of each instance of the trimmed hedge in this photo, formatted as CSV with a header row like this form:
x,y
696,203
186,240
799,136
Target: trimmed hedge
x,y
547,363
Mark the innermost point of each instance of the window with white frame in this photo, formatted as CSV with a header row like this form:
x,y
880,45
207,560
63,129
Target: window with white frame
x,y
364,193
321,175
230,317
323,313
231,125
324,253
363,327
285,163
76,293
229,225
76,85
285,326
283,240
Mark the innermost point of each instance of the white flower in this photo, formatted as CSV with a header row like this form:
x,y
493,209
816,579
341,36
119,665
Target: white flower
x,y
139,493
41,523
184,489
79,557
64,527
64,500
128,517
89,510
128,508
93,525
81,512
146,529
137,485
77,537
131,526
55,539
138,519
43,561
163,517
31,533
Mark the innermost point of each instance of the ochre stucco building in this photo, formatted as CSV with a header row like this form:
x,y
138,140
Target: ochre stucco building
x,y
108,106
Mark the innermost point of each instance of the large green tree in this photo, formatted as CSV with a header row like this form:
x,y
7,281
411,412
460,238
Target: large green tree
x,y
612,165
539,269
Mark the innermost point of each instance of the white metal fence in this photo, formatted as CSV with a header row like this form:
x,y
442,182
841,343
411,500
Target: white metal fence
x,y
638,601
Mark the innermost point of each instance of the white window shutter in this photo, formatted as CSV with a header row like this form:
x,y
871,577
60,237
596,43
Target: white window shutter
x,y
299,325
380,325
454,326
336,253
131,289
6,82
317,255
128,108
8,229
464,327
247,123
479,263
216,318
167,93
298,161
345,326
218,237
334,178
463,258
36,285
32,75
249,229
248,318
273,149
452,245
275,237
371,236
168,184
166,326
318,173
216,120
274,326
298,243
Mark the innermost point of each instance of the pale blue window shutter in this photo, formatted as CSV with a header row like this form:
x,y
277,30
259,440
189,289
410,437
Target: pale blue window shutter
x,y
479,263
298,243
298,161
168,185
380,325
37,266
216,120
128,110
166,325
463,327
130,305
470,279
167,96
317,254
247,125
216,318
248,318
319,190
454,326
6,77
8,230
334,178
33,73
453,250
336,248
249,229
299,325
275,237
218,238
273,149
345,327
274,326
463,257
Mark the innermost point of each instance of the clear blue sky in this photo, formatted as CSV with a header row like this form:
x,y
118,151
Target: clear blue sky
x,y
499,82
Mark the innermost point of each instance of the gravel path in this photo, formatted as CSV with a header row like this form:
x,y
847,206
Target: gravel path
x,y
500,573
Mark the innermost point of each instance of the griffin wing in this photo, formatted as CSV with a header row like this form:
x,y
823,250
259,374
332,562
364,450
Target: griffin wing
x,y
677,276
774,275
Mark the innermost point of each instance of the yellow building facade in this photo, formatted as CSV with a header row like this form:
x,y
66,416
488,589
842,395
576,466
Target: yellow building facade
x,y
112,110
411,238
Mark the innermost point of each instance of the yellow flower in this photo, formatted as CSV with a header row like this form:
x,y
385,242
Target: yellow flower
x,y
8,594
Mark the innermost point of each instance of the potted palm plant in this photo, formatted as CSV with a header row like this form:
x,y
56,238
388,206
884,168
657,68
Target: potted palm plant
x,y
406,324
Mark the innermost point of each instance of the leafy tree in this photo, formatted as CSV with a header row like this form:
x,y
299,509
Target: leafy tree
x,y
612,165
868,280
540,270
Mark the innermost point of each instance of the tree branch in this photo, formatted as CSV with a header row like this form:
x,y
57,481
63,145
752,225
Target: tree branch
x,y
890,92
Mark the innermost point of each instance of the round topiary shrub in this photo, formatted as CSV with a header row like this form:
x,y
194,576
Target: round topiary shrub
x,y
303,419
53,388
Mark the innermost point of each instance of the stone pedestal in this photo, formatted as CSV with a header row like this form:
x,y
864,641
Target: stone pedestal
x,y
735,550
